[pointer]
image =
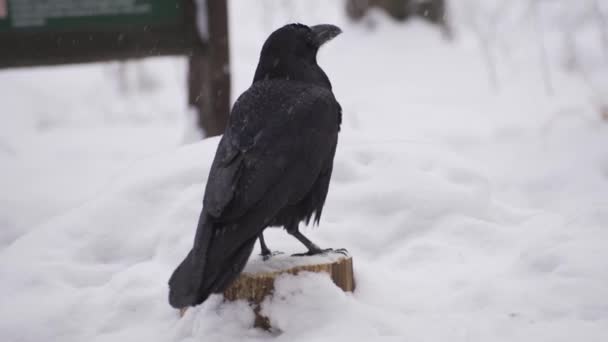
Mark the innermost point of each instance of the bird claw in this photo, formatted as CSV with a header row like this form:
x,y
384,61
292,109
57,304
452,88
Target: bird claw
x,y
266,256
342,251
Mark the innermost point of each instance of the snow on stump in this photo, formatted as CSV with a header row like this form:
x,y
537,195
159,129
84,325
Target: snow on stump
x,y
256,282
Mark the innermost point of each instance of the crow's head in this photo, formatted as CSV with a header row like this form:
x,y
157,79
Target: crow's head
x,y
290,53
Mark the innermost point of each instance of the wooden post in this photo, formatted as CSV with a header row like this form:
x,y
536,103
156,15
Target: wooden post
x,y
209,73
257,280
219,65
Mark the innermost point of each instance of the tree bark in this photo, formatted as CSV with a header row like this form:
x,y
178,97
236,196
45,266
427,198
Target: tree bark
x,y
219,67
431,10
209,73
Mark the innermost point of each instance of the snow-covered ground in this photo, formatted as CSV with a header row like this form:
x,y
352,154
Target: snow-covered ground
x,y
474,212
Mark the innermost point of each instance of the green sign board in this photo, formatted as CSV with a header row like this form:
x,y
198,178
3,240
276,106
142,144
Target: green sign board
x,y
71,15
45,32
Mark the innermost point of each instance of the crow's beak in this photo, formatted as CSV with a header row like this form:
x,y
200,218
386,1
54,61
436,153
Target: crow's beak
x,y
324,33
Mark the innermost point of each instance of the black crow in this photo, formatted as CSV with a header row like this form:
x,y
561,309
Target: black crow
x,y
272,166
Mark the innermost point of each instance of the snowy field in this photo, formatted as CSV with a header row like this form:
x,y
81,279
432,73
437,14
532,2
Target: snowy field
x,y
475,206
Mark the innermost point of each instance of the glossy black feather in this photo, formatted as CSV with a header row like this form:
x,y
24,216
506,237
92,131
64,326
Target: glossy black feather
x,y
272,166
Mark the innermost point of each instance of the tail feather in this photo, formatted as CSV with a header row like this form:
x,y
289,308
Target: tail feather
x,y
211,266
187,278
220,252
231,267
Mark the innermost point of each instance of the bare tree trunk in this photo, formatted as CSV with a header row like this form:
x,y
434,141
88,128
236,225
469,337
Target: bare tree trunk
x,y
603,27
431,10
544,58
489,59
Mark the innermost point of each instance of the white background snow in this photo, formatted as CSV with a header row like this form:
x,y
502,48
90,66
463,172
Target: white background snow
x,y
475,209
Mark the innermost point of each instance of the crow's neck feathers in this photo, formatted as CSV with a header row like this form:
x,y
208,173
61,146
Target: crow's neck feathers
x,y
291,69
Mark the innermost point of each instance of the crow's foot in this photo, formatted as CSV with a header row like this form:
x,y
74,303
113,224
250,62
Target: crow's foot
x,y
268,254
322,251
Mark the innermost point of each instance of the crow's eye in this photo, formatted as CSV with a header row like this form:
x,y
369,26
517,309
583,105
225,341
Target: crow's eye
x,y
310,41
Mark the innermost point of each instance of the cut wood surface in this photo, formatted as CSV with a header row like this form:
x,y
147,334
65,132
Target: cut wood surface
x,y
256,282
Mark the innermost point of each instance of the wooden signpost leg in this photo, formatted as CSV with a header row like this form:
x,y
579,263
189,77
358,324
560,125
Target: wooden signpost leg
x,y
209,73
199,91
219,61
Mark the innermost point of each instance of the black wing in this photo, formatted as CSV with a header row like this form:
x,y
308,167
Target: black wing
x,y
280,136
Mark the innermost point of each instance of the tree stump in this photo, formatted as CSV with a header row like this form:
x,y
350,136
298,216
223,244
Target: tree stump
x,y
256,282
